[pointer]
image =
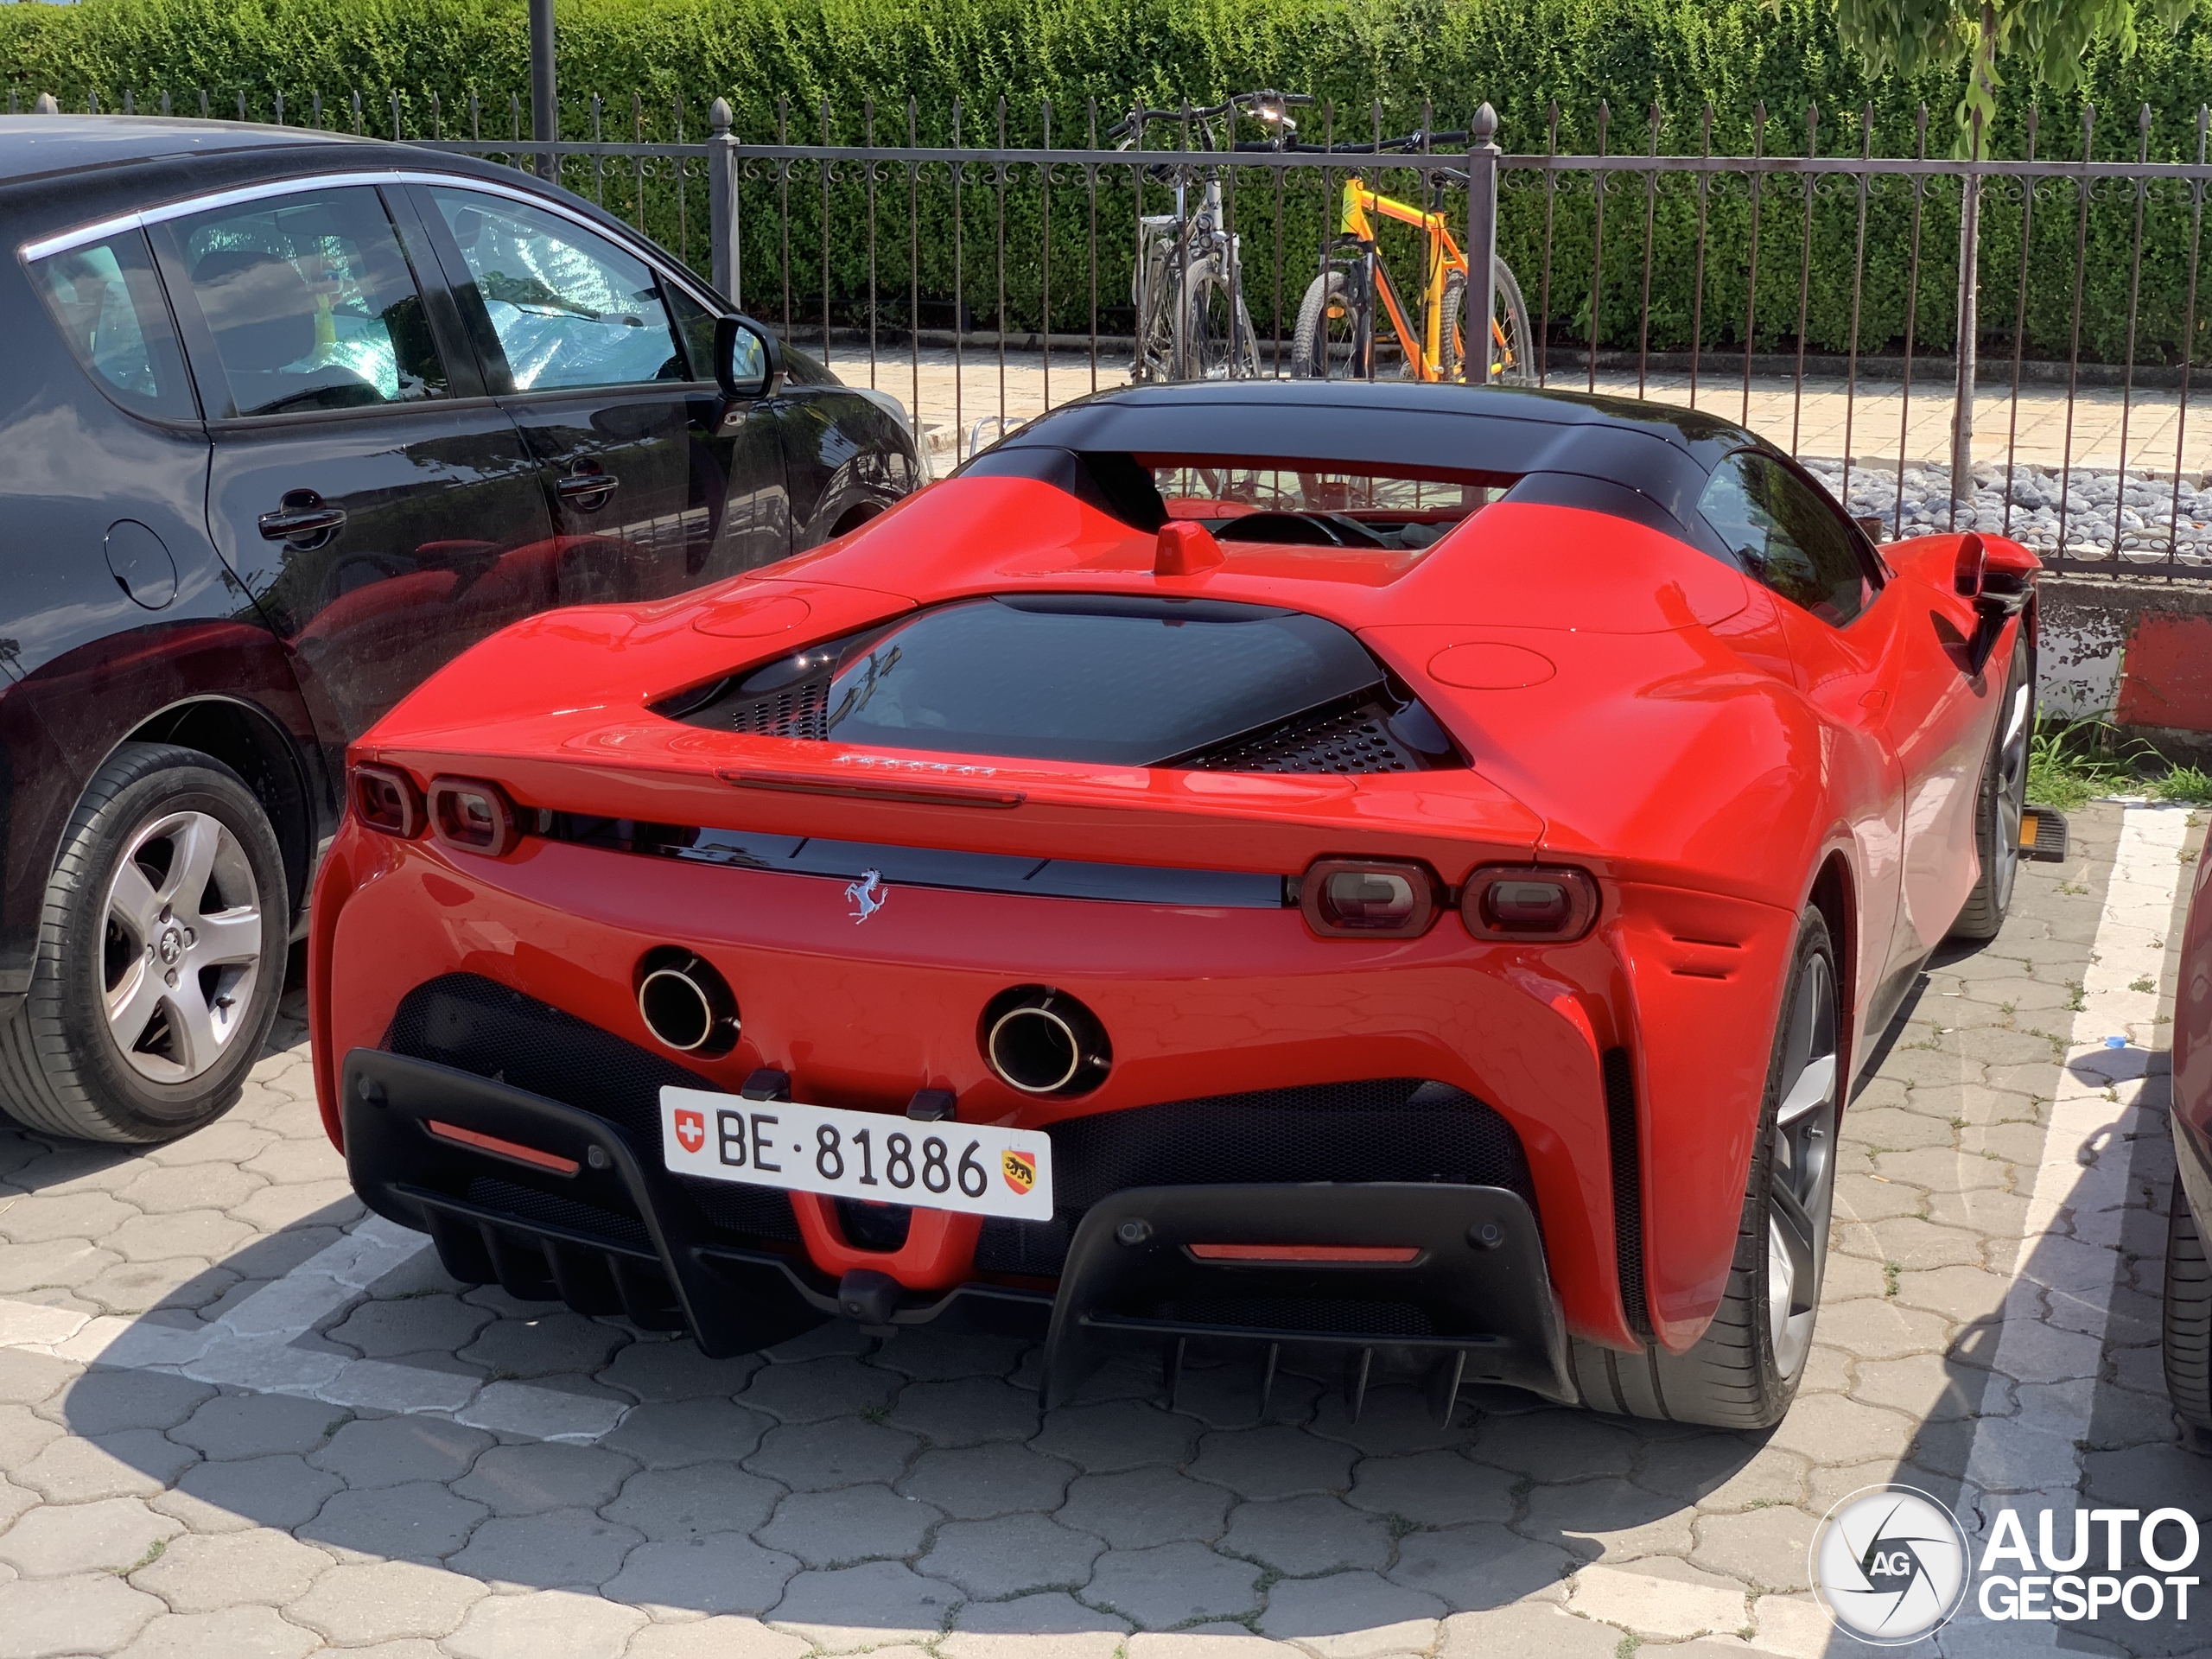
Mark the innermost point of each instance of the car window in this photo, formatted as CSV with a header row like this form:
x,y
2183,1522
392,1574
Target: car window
x,y
1785,535
569,307
695,326
111,310
311,302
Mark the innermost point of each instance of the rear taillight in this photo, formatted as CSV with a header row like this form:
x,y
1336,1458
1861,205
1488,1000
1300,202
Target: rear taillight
x,y
473,816
1525,901
1371,899
385,799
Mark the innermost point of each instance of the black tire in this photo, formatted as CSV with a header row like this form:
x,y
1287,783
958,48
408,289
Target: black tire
x,y
1997,812
1740,1375
2187,1316
1215,342
1511,362
64,1070
1325,342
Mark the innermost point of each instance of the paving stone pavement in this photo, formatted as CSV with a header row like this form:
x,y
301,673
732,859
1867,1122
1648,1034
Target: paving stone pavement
x,y
237,1418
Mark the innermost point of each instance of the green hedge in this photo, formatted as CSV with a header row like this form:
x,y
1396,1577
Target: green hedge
x,y
1521,55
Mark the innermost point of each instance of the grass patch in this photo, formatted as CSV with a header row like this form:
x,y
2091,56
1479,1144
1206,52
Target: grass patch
x,y
2190,784
2071,762
153,1552
1891,1271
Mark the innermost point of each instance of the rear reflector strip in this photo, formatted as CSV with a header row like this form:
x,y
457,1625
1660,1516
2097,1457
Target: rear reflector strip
x,y
1377,1253
492,1144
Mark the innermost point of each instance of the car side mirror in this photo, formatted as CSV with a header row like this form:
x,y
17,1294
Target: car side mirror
x,y
748,358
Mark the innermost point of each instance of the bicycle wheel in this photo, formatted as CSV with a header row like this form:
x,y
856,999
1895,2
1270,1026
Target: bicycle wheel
x,y
1512,363
1217,336
1326,342
1153,292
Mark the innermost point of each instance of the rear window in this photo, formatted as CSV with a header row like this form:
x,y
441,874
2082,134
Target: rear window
x,y
110,308
1122,681
1307,504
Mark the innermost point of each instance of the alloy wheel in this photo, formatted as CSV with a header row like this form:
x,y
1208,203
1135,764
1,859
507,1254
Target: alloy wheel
x,y
181,950
2012,798
1800,1184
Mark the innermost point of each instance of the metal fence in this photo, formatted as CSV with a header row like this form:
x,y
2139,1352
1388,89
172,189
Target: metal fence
x,y
1811,290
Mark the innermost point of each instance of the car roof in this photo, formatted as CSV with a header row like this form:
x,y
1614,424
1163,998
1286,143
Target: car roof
x,y
41,146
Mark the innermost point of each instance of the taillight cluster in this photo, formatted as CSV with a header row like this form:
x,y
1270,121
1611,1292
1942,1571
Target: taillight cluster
x,y
471,815
1387,898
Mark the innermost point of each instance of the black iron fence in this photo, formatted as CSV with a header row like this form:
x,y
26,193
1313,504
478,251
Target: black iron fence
x,y
1813,290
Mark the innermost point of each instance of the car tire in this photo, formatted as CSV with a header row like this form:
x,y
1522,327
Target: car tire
x,y
1997,811
161,955
1744,1372
2187,1322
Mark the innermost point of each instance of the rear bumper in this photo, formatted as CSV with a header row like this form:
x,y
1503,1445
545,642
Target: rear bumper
x,y
1471,1300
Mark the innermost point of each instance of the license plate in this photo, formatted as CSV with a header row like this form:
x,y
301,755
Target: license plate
x,y
975,1169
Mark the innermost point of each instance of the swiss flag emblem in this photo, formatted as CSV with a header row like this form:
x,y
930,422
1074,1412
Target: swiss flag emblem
x,y
691,1130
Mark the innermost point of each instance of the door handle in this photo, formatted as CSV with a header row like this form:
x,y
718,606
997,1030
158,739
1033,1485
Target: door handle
x,y
586,486
303,518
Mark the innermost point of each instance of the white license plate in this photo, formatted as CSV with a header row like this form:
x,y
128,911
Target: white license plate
x,y
972,1167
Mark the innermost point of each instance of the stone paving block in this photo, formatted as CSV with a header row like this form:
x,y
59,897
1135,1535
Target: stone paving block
x,y
817,1389
1661,1599
573,1547
1116,1434
1533,1628
1914,1244
276,1492
1606,1520
206,1233
1719,1471
47,1218
1228,1395
967,1412
526,1479
1011,1555
355,1604
669,1434
160,1189
391,1451
290,1163
1931,1388
550,1343
131,1462
384,1329
1142,1507
556,1625
658,1371
1432,1489
1861,1195
27,1378
717,1573
1054,1621
257,1425
1897,1128
1395,1418
1300,1536
244,1633
93,1613
929,1356
420,1521
1207,1642
135,1288
224,1142
1830,1428
330,1204
715,1638
1480,1566
1277,1461
697,1499
1876,1328
975,1483
1762,1546
1172,1584
1555,1445
14,1500
1352,1615
109,1534
197,1574
101,1401
872,1605
851,1524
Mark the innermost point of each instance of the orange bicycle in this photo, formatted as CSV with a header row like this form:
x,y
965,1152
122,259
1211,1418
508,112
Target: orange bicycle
x,y
1336,334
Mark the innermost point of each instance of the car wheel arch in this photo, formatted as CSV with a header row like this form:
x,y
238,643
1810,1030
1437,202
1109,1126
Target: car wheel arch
x,y
1833,891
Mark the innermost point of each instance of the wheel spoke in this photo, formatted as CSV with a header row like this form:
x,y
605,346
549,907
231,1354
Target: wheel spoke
x,y
194,1022
1811,1090
197,842
133,901
1793,1227
131,1005
227,937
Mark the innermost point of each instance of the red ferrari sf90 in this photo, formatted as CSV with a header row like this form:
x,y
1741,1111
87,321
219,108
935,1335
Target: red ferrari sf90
x,y
1408,871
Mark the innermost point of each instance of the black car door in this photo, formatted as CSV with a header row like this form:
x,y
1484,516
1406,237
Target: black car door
x,y
656,480
365,490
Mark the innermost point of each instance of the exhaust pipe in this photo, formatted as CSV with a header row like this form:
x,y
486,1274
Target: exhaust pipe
x,y
686,1004
1044,1042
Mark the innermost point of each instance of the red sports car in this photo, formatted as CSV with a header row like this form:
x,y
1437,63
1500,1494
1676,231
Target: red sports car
x,y
1409,870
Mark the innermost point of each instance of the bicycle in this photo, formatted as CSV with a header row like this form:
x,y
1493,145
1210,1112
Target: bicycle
x,y
1336,329
1192,324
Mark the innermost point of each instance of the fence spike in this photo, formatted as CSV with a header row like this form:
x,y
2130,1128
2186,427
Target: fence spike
x,y
165,103
46,104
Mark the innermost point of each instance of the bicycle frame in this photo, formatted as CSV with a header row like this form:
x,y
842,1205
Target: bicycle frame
x,y
1442,255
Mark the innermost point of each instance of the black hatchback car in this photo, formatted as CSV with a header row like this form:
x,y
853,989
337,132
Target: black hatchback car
x,y
287,420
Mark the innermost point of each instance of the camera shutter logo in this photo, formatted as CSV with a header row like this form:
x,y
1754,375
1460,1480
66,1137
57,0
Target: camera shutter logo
x,y
1890,1565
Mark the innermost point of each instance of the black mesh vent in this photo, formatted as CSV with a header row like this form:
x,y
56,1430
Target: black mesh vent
x,y
798,710
475,1025
531,1205
1392,1129
1345,740
1627,1189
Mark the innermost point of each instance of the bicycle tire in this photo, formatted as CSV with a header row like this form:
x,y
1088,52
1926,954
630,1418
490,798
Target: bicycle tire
x,y
1205,348
1313,354
1511,364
